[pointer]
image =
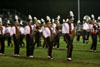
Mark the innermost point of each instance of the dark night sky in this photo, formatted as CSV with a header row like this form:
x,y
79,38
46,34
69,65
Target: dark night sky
x,y
41,8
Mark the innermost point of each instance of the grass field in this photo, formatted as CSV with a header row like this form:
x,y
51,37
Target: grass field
x,y
81,57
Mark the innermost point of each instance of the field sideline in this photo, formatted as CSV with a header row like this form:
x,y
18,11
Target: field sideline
x,y
81,57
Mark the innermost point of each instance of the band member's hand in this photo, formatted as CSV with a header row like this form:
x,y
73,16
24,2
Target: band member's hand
x,y
86,29
31,35
16,35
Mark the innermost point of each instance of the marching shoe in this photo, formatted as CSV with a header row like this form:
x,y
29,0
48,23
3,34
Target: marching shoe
x,y
49,57
69,59
30,56
95,51
18,55
15,55
2,54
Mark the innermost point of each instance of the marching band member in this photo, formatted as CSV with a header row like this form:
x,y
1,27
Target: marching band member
x,y
8,32
38,36
99,28
21,29
34,25
68,32
2,32
16,33
79,31
57,35
56,31
42,29
47,33
94,36
54,25
85,29
29,38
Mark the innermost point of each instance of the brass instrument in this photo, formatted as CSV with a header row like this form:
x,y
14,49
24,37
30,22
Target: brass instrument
x,y
72,35
18,33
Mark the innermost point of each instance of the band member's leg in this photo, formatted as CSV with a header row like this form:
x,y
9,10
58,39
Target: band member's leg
x,y
69,46
27,45
32,47
9,40
58,38
78,37
16,43
2,46
95,41
49,47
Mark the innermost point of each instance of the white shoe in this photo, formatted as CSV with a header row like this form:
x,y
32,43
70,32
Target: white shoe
x,y
49,57
15,55
18,55
53,47
95,51
91,50
69,59
30,56
2,54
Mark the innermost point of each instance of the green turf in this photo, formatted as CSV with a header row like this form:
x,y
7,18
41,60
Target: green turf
x,y
81,57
